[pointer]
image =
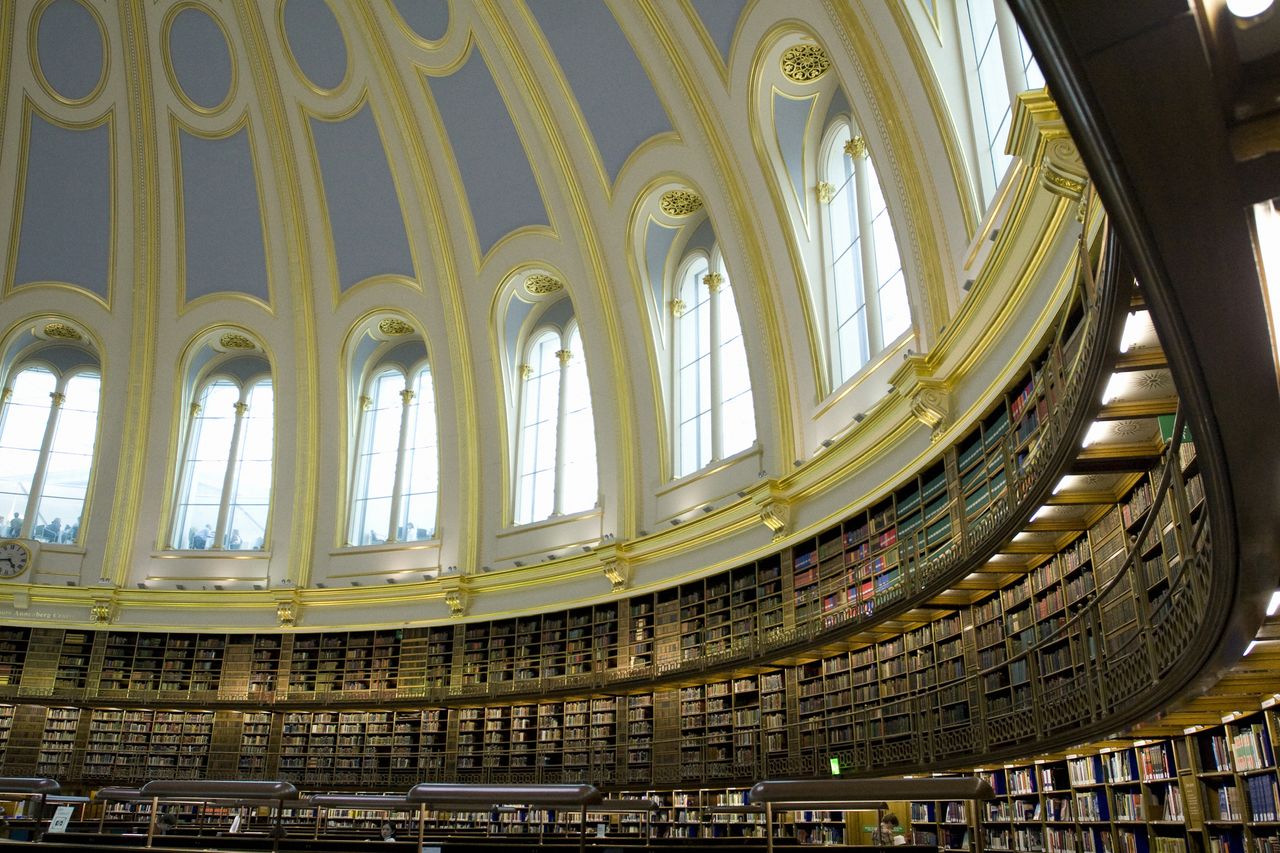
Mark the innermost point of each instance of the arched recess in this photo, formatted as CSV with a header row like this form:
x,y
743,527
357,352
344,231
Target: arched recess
x,y
552,470
50,393
703,378
393,459
800,107
223,476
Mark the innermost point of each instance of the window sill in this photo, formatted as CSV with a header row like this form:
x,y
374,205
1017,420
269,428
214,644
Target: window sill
x,y
383,547
715,467
220,554
553,521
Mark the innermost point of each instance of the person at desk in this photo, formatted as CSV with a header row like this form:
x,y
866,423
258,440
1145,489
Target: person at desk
x,y
888,834
387,831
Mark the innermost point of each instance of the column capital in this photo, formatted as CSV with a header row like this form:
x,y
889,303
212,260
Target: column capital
x,y
714,281
856,147
678,307
196,409
825,191
57,398
526,371
565,356
241,408
406,396
366,402
5,394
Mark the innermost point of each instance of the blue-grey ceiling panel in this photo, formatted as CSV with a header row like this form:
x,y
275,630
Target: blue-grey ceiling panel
x,y
316,42
428,18
657,246
720,17
517,312
67,359
791,119
612,89
839,106
66,211
364,210
200,57
495,171
703,238
558,315
69,47
405,355
222,217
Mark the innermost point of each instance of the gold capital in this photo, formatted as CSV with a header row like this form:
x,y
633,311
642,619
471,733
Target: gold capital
x,y
526,371
241,408
366,402
678,307
196,409
5,394
713,281
856,147
564,355
826,191
57,398
406,396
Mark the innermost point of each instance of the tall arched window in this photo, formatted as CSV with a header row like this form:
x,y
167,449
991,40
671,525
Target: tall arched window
x,y
1003,68
556,452
48,425
225,491
866,289
714,409
397,478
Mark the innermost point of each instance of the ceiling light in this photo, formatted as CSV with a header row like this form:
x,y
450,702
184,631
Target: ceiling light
x,y
1248,8
1130,332
1113,389
1274,604
1062,484
1040,513
1096,431
1249,647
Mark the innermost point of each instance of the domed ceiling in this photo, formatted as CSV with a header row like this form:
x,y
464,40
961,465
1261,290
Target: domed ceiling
x,y
296,171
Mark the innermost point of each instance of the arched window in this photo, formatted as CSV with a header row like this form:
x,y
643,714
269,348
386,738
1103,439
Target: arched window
x,y
714,409
1002,68
397,479
556,451
225,492
48,425
866,289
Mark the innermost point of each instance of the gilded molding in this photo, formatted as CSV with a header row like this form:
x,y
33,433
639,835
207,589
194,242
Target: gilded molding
x,y
102,611
395,327
458,601
856,147
618,572
286,613
677,203
541,284
805,63
235,340
63,331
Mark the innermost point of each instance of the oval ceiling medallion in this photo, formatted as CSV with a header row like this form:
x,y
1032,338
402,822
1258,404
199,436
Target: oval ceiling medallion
x,y
804,63
200,60
428,19
70,51
540,284
235,340
62,331
395,327
316,43
680,202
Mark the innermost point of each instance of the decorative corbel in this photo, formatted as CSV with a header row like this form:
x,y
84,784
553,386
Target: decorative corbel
x,y
618,572
929,397
774,510
286,613
457,599
103,611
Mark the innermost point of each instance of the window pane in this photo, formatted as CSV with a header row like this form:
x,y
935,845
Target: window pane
x,y
251,491
376,471
25,416
895,310
66,480
852,344
420,511
206,466
581,488
537,451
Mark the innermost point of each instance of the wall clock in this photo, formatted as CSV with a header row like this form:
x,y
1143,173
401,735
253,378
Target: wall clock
x,y
15,557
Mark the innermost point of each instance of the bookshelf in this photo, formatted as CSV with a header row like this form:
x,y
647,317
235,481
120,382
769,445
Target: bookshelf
x,y
57,742
13,654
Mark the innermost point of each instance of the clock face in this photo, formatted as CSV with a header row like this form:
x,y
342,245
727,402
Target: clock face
x,y
14,558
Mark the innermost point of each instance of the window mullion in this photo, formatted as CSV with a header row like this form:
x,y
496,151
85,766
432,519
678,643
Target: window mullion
x,y
714,281
1015,76
562,430
184,475
229,481
357,471
42,462
397,490
857,149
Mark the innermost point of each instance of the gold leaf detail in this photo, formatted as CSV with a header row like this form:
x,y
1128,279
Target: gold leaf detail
x,y
856,147
62,330
540,284
680,202
804,63
394,326
235,340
